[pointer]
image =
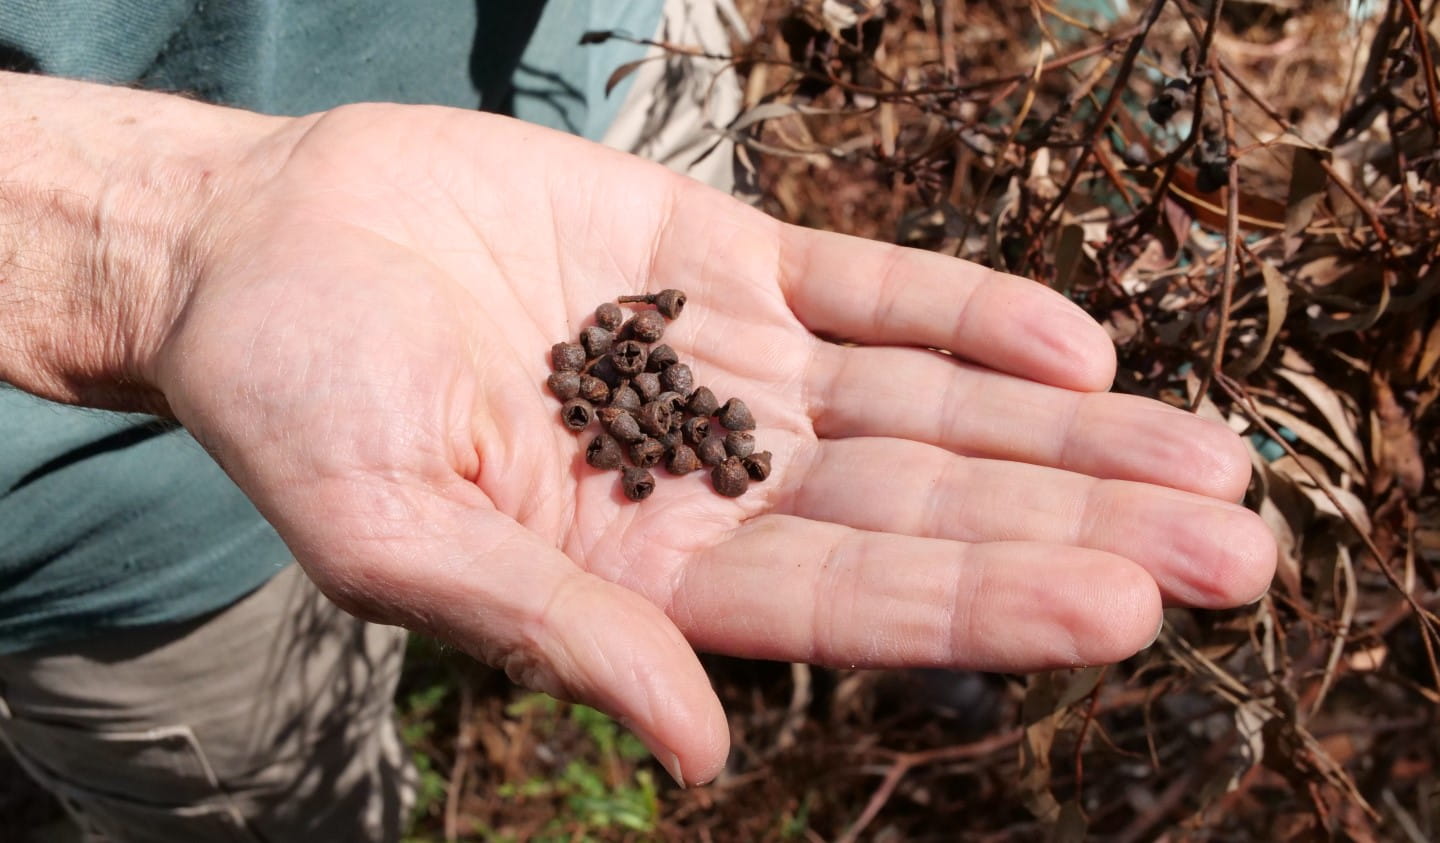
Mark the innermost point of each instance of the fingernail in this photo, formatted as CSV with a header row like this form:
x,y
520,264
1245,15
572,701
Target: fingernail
x,y
1159,629
669,760
671,763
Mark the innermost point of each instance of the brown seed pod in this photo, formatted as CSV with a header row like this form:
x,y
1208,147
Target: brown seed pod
x,y
655,417
670,303
647,384
758,465
604,452
637,483
670,439
662,357
621,424
596,341
736,416
740,443
667,302
645,326
565,385
711,451
567,356
647,452
576,414
696,429
609,316
703,402
593,389
678,378
625,398
730,478
604,369
628,357
682,460
675,400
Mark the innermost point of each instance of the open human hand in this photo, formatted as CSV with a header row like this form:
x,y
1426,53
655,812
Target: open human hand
x,y
363,343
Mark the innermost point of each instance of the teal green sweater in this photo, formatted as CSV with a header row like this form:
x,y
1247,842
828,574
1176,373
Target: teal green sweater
x,y
112,521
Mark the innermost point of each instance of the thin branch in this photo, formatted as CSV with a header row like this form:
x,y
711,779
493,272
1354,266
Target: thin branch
x,y
1112,102
906,761
1422,37
464,739
1232,237
1206,36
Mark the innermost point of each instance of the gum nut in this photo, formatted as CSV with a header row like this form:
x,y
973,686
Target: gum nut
x,y
593,389
703,402
595,340
565,385
623,426
637,483
674,400
647,384
604,452
625,398
669,303
628,357
645,326
740,443
655,417
678,378
647,452
682,460
662,357
730,478
736,416
711,451
609,316
567,356
576,414
696,429
758,465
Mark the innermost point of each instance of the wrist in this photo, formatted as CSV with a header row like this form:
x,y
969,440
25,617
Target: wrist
x,y
104,197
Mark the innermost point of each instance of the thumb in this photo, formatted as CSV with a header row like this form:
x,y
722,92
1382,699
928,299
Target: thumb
x,y
474,577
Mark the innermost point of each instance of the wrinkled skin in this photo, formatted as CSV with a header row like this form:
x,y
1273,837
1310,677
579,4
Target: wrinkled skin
x,y
365,350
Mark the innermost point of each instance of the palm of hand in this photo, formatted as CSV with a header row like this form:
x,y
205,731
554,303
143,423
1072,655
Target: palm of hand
x,y
366,353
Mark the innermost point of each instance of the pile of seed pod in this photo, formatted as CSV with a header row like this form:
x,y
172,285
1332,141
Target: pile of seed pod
x,y
647,404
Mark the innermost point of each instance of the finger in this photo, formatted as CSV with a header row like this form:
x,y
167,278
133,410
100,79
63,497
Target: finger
x,y
457,569
801,590
1200,551
872,293
928,397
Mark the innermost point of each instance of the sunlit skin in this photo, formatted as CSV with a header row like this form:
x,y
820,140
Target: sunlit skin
x,y
364,346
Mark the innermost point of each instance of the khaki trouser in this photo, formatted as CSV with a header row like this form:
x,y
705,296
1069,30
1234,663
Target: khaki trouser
x,y
272,720
268,721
